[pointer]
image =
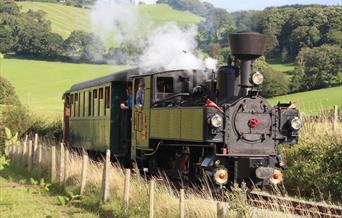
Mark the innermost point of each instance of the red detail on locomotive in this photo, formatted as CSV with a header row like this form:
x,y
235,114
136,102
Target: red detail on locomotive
x,y
221,176
253,122
210,103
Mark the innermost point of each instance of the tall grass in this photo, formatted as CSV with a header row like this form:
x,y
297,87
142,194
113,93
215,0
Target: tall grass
x,y
200,202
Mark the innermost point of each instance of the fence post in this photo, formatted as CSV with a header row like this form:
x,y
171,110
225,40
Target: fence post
x,y
84,170
126,188
29,156
151,207
220,210
335,121
181,204
61,164
105,177
39,153
66,161
35,146
23,155
53,163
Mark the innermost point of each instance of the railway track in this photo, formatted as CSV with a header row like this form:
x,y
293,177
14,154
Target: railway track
x,y
295,206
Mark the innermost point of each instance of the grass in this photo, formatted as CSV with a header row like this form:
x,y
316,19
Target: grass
x,y
313,102
282,67
65,19
19,200
278,65
198,203
41,84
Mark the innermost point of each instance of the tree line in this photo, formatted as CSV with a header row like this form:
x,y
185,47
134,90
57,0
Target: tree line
x,y
29,34
310,36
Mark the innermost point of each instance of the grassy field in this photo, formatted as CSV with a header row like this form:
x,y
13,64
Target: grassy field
x,y
18,200
282,67
278,65
64,19
312,102
40,84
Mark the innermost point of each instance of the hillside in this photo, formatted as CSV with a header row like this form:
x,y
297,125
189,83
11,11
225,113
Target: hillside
x,y
65,19
312,102
40,84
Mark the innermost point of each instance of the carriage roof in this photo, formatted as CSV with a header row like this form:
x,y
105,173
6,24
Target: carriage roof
x,y
118,76
122,76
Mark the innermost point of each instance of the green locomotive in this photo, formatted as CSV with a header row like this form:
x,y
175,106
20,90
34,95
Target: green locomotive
x,y
171,122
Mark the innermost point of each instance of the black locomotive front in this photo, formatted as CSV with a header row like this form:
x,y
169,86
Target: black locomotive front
x,y
249,126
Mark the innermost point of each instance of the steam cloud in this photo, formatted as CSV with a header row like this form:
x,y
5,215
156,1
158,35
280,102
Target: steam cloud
x,y
167,47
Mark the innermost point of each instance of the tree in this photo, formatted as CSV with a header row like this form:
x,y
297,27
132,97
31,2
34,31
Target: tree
x,y
84,46
9,7
319,67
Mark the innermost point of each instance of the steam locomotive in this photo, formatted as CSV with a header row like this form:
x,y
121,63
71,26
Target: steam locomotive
x,y
190,124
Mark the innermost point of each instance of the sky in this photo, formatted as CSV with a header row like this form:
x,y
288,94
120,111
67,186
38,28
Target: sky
x,y
239,5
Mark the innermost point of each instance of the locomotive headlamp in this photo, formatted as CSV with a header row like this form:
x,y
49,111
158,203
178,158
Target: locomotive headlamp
x,y
221,176
216,121
257,78
296,123
277,177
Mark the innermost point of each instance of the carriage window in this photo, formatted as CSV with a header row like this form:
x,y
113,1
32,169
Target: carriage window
x,y
76,100
83,104
79,105
100,98
94,100
89,103
101,93
71,102
107,97
164,87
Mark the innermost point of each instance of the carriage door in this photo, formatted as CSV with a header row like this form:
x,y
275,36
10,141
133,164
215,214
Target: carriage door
x,y
67,113
141,113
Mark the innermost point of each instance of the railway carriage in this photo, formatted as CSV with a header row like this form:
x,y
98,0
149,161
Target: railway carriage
x,y
189,123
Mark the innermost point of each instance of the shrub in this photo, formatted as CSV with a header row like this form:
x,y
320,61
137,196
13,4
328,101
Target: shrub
x,y
7,92
315,163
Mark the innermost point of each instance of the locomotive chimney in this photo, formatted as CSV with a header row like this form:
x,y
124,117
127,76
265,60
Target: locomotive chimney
x,y
246,46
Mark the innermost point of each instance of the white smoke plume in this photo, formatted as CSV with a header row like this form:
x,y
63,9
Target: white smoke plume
x,y
168,47
115,20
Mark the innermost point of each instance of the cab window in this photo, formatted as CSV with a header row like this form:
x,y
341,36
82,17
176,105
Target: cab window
x,y
164,87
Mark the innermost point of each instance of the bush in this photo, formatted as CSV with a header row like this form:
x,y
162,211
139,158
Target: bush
x,y
7,92
18,119
314,165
